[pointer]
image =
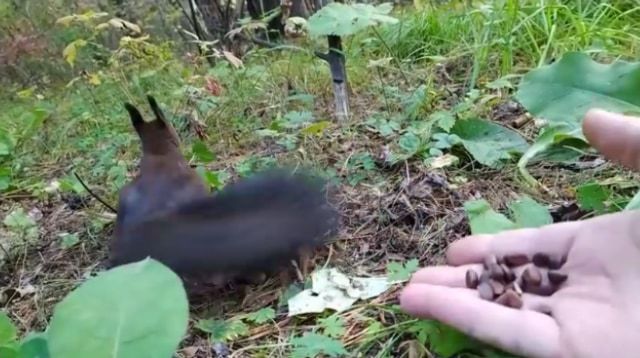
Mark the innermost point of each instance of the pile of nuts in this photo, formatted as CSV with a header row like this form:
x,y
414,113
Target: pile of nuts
x,y
500,283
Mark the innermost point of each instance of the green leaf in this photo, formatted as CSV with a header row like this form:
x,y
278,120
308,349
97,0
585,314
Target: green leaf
x,y
526,212
21,225
564,91
415,101
262,315
297,119
444,119
215,179
71,184
8,331
221,330
201,153
6,143
551,136
410,143
447,341
634,204
592,196
312,344
343,20
484,220
487,142
383,126
5,178
69,240
134,310
9,351
333,326
35,345
397,271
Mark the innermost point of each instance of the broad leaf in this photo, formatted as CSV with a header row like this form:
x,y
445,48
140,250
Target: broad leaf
x,y
526,212
311,345
447,341
634,204
343,20
35,346
397,271
333,326
68,240
593,196
222,330
202,154
484,220
9,351
487,142
262,315
6,143
8,331
71,51
444,119
134,310
565,90
549,137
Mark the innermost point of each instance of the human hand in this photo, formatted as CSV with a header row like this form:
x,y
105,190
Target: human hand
x,y
594,313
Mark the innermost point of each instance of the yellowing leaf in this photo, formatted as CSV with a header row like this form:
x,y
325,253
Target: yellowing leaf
x,y
236,62
26,93
66,20
124,25
94,79
84,18
102,26
71,51
128,39
73,81
316,128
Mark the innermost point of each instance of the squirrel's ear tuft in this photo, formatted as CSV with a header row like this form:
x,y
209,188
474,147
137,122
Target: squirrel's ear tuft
x,y
136,117
157,111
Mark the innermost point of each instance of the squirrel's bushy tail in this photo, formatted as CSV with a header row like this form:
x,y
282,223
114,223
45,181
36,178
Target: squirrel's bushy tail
x,y
249,226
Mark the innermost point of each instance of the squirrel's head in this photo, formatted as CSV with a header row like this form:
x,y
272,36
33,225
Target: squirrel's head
x,y
157,136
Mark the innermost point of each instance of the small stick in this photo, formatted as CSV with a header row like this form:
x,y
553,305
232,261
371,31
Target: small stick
x,y
94,195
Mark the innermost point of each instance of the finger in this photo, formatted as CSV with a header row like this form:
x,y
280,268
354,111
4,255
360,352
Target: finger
x,y
452,276
455,277
615,135
555,239
522,332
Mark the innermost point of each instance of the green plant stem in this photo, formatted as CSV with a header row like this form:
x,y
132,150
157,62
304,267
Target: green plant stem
x,y
393,55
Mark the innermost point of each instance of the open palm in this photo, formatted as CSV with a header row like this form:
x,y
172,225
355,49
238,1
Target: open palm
x,y
594,313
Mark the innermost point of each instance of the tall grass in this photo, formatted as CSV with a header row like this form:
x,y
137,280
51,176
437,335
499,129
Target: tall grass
x,y
503,37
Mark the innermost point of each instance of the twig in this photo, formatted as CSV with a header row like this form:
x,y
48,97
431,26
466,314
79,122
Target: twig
x,y
94,195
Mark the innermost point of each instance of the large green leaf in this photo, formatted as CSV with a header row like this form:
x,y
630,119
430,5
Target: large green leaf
x,y
487,142
347,19
134,310
526,212
562,93
550,137
8,331
484,220
634,204
565,90
35,346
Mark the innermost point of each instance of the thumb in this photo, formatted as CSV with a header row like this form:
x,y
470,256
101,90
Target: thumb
x,y
616,136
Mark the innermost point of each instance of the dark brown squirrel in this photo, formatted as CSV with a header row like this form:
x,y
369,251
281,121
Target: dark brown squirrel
x,y
248,228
